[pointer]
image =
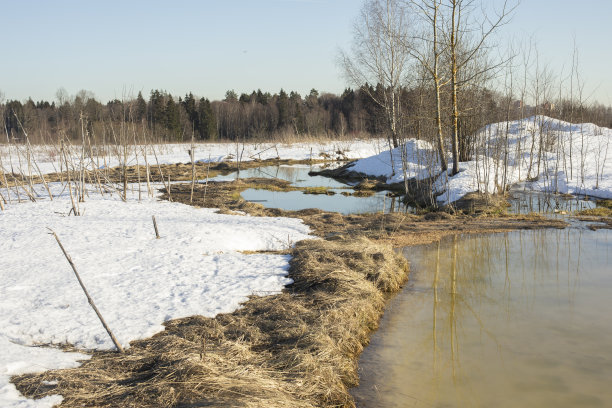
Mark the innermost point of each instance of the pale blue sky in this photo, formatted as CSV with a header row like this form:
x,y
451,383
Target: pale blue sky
x,y
115,48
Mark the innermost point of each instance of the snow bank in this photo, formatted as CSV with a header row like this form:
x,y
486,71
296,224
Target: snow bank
x,y
137,281
575,159
414,158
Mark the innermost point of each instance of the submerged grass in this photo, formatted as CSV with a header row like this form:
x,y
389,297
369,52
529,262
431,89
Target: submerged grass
x,y
295,349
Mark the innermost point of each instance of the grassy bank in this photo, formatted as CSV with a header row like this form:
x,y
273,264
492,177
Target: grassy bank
x,y
295,349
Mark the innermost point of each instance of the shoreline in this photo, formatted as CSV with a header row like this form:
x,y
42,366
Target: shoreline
x,y
298,348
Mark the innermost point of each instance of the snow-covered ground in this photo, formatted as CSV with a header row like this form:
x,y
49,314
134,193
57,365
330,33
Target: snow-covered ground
x,y
48,158
137,281
575,159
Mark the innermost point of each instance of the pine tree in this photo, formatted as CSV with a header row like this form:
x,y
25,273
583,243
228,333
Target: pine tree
x,y
282,104
206,117
140,109
189,104
157,109
173,120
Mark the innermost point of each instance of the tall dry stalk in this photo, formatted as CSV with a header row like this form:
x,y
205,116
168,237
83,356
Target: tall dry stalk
x,y
193,169
31,158
75,206
89,299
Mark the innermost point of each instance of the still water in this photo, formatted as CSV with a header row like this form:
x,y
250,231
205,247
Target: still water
x,y
296,200
297,175
520,319
525,202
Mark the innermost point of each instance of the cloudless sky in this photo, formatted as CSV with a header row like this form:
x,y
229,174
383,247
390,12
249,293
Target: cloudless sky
x,y
117,48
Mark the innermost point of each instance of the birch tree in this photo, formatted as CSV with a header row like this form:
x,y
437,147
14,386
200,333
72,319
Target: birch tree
x,y
467,37
379,57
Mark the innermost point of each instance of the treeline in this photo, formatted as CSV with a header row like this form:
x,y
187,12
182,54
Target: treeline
x,y
255,116
265,116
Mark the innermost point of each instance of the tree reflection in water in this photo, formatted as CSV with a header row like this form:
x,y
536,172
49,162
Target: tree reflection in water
x,y
515,319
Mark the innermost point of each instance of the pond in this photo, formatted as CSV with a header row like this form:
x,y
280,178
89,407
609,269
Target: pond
x,y
521,201
297,200
297,175
519,319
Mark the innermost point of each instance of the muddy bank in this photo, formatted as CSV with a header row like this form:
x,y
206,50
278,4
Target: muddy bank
x,y
295,349
398,229
158,173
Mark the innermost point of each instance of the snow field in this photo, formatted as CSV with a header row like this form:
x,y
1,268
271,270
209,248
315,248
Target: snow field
x,y
136,281
48,157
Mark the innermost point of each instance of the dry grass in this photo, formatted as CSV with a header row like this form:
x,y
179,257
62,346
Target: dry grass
x,y
396,228
600,216
295,349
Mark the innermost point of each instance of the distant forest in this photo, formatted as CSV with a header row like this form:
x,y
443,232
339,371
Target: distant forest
x,y
281,116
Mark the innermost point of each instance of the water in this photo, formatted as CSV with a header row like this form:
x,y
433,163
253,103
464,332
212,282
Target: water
x,y
297,200
520,319
297,175
525,202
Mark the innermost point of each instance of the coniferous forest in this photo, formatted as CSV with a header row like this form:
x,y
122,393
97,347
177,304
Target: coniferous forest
x,y
261,115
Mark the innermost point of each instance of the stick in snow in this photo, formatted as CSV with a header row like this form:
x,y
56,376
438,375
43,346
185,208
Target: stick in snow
x,y
155,226
89,299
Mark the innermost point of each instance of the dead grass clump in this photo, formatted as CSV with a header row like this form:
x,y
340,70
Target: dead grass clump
x,y
295,349
318,191
596,212
479,203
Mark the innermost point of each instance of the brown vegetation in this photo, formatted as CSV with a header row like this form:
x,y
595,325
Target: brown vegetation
x,y
397,228
295,349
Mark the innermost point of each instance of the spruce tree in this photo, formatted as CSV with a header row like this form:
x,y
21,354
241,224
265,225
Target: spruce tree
x,y
208,123
282,104
140,109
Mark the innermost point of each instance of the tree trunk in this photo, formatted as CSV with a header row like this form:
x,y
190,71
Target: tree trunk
x,y
455,136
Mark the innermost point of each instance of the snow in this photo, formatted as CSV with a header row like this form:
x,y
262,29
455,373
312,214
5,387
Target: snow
x,y
576,159
14,157
197,267
17,359
136,281
415,158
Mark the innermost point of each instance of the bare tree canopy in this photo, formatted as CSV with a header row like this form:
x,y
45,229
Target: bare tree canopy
x,y
380,57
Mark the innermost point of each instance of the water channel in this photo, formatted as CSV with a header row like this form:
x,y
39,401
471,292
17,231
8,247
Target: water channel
x,y
298,176
519,319
521,201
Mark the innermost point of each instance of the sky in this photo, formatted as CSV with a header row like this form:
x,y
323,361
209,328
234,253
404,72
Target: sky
x,y
117,48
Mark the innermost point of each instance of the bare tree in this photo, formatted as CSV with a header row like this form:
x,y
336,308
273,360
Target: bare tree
x,y
428,50
467,39
380,57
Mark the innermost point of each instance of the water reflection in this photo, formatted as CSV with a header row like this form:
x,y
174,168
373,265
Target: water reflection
x,y
297,200
515,319
524,202
295,174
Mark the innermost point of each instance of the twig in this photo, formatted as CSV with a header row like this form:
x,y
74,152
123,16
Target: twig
x,y
207,173
155,226
89,299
